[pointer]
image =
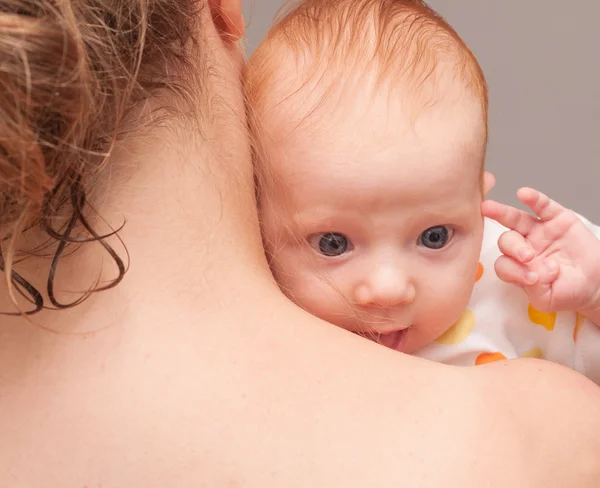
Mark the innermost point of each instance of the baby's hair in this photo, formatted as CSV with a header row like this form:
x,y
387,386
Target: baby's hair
x,y
399,39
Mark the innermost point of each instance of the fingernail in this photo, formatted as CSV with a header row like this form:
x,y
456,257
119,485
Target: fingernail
x,y
531,277
525,254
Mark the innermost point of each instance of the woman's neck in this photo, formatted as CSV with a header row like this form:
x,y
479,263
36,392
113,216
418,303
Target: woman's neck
x,y
191,228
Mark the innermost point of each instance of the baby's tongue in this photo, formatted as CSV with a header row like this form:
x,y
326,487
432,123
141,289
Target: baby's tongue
x,y
395,340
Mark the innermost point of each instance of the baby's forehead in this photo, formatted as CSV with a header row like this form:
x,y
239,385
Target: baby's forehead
x,y
303,96
330,185
335,112
358,158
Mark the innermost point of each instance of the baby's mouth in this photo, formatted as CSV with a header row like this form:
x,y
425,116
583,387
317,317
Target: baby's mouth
x,y
394,340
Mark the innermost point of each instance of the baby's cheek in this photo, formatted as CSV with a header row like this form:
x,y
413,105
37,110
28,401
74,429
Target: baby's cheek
x,y
318,295
458,289
445,303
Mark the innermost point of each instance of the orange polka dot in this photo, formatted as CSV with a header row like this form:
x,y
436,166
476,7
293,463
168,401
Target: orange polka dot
x,y
459,331
535,353
479,271
489,357
546,320
578,323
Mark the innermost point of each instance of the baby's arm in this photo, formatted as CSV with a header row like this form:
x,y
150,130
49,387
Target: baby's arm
x,y
553,256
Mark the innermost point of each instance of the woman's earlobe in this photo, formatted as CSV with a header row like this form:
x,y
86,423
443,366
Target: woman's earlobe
x,y
228,18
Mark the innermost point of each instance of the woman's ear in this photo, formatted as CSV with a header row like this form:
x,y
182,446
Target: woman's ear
x,y
228,18
488,183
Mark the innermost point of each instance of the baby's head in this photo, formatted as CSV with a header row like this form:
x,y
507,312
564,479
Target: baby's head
x,y
370,118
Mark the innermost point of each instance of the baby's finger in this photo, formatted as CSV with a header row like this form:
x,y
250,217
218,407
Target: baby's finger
x,y
512,271
514,245
540,293
547,271
542,205
510,217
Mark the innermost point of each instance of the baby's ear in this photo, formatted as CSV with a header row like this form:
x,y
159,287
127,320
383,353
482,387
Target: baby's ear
x,y
228,18
489,181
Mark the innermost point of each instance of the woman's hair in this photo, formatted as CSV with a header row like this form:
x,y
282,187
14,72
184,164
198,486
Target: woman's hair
x,y
70,71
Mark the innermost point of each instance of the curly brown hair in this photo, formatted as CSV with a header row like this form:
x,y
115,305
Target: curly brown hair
x,y
69,74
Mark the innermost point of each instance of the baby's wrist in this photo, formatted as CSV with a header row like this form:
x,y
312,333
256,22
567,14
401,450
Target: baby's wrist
x,y
593,312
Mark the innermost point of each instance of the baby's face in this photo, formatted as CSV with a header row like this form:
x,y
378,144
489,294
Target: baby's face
x,y
373,222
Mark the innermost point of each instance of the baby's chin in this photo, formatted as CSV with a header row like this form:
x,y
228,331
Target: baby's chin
x,y
421,336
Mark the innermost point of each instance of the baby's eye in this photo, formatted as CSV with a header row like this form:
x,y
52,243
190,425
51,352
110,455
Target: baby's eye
x,y
436,237
330,244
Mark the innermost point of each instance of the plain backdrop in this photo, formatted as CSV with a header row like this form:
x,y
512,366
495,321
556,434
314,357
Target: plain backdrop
x,y
541,59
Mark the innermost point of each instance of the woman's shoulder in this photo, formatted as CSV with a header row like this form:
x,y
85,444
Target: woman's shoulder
x,y
553,414
377,418
310,405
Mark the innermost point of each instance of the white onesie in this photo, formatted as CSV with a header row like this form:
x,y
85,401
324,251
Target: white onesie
x,y
500,323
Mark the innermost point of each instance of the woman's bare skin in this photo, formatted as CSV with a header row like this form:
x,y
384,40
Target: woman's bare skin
x,y
196,371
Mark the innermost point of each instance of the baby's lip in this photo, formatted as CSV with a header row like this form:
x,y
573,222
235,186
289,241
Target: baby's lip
x,y
391,329
394,340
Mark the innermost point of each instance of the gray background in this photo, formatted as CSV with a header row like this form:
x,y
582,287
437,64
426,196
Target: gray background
x,y
542,63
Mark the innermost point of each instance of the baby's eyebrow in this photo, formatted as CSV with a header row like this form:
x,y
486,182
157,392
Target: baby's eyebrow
x,y
324,215
458,210
314,216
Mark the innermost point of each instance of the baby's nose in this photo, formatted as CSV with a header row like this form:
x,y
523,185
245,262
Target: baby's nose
x,y
385,287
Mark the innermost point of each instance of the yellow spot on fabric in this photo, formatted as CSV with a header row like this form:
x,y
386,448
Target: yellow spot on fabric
x,y
479,272
535,353
578,323
546,320
489,357
460,330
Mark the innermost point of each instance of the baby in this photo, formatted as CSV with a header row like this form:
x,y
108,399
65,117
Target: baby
x,y
370,121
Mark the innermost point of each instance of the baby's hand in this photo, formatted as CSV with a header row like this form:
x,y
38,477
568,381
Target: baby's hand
x,y
554,257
